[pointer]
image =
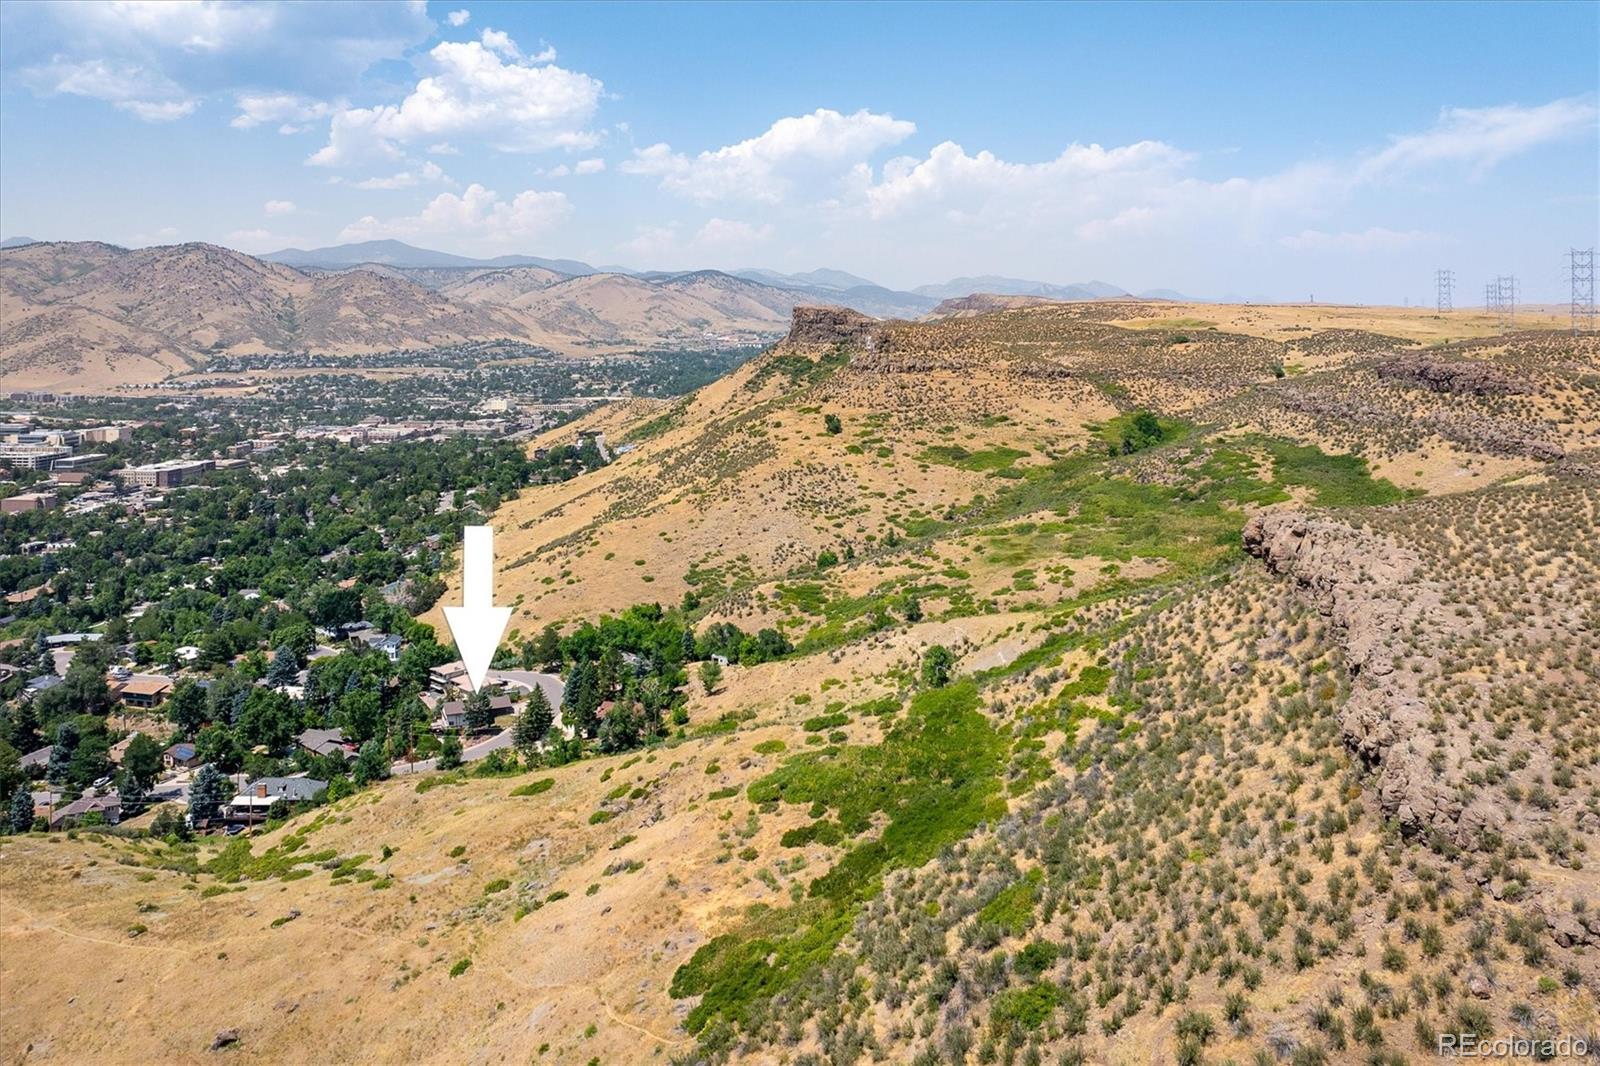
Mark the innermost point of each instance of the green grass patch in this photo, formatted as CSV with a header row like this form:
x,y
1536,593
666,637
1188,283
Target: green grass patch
x,y
935,777
989,460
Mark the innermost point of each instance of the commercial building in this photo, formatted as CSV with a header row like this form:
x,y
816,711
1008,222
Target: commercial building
x,y
170,474
32,456
28,501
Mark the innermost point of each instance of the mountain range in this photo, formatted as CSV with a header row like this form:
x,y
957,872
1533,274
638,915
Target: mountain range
x,y
87,314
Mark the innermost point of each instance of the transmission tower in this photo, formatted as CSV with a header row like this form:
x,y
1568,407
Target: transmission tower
x,y
1505,302
1491,298
1582,266
1443,284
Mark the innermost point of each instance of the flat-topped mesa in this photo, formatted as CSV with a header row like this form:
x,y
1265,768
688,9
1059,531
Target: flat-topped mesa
x,y
832,325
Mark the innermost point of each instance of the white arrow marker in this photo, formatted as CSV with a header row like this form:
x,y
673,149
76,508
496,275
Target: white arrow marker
x,y
477,624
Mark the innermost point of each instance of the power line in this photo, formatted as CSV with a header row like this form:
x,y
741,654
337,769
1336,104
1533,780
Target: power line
x,y
1444,284
1500,298
1581,268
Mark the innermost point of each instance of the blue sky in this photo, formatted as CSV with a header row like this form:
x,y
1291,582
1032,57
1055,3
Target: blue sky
x,y
1268,151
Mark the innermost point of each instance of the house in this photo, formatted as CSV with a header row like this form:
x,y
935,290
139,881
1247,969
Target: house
x,y
145,690
120,748
39,757
259,795
181,756
387,643
42,683
108,807
444,677
500,705
452,716
44,803
187,653
326,742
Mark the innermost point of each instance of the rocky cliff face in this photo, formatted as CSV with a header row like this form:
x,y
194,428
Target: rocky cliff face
x,y
1370,589
811,326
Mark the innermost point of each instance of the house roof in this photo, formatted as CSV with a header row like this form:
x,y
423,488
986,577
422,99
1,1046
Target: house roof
x,y
184,750
37,757
264,790
323,741
146,685
111,801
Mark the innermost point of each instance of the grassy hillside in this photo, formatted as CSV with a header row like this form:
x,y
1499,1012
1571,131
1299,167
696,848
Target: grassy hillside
x,y
1159,692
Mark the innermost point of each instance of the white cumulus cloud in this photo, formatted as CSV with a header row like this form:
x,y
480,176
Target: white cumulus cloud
x,y
288,111
128,86
429,172
764,168
479,89
459,18
478,215
279,207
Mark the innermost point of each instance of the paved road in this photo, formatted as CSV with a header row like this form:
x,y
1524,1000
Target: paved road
x,y
523,679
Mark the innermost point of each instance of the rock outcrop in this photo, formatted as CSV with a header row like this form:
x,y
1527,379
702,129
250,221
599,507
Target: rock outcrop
x,y
812,326
1370,590
1452,376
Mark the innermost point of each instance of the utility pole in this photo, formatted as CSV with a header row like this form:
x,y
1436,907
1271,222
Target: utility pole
x,y
1581,263
1443,286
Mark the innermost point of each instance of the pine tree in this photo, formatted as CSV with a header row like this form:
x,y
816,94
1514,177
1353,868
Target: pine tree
x,y
479,714
370,765
533,723
284,667
450,752
580,704
20,817
61,753
207,793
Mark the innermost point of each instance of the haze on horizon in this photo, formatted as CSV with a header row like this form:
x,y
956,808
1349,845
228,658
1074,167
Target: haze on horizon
x,y
1272,153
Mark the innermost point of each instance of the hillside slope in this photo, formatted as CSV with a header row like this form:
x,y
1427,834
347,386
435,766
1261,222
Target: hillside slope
x,y
87,316
1270,732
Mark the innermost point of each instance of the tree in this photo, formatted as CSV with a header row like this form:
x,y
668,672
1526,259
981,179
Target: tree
x,y
533,723
11,775
141,762
832,424
580,704
20,817
207,793
547,649
450,752
937,662
218,744
360,714
912,607
710,675
370,765
269,719
285,665
187,707
621,727
61,753
479,712
168,823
